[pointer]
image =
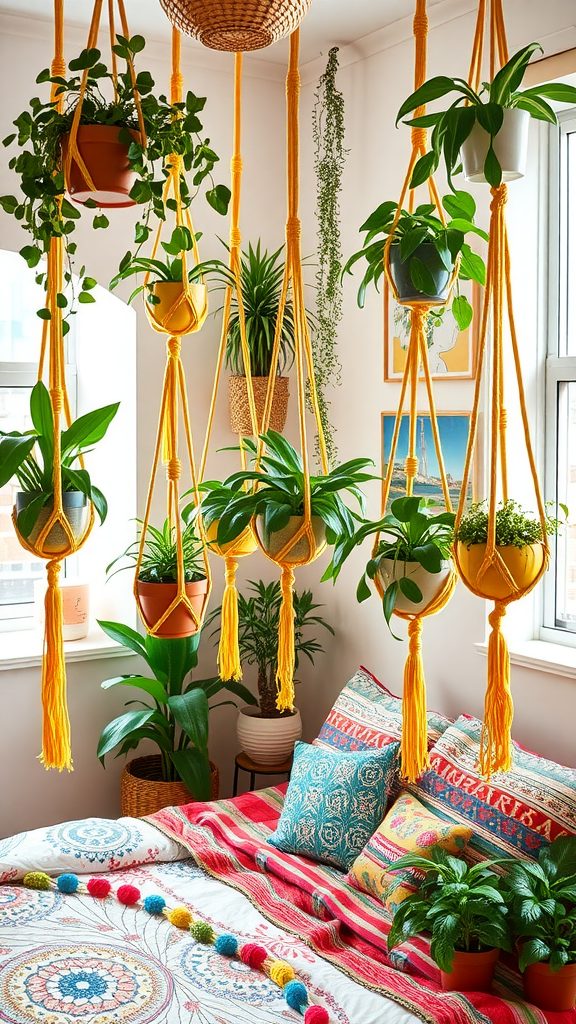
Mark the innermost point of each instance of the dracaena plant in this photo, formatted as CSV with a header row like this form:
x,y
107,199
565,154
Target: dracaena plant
x,y
28,456
175,707
415,229
279,492
452,127
463,907
543,913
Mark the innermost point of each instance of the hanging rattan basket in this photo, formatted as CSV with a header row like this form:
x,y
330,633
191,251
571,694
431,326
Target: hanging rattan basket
x,y
143,791
240,422
236,24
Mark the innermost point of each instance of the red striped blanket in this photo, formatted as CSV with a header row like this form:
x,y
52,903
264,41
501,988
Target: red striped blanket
x,y
346,927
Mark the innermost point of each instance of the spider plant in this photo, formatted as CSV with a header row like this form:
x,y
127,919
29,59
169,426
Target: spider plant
x,y
160,557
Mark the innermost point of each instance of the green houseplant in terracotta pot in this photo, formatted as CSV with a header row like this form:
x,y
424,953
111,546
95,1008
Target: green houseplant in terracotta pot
x,y
543,917
174,715
464,909
264,733
28,457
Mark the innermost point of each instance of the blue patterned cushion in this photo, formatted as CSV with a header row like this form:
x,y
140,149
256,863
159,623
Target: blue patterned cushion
x,y
335,802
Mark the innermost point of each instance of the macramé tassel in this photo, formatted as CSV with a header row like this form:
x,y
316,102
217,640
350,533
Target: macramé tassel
x,y
496,745
286,661
229,665
56,750
414,746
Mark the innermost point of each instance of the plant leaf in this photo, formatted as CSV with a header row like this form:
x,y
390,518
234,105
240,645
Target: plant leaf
x,y
193,768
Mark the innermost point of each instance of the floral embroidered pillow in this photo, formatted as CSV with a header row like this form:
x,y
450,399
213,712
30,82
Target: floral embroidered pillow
x,y
407,828
334,802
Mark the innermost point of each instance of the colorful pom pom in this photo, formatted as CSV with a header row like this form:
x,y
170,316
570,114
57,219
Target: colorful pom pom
x,y
296,995
128,894
180,917
202,932
154,904
36,880
253,955
99,887
316,1015
68,883
226,945
281,973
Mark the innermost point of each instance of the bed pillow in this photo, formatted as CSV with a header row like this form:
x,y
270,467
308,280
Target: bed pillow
x,y
407,828
334,802
515,812
367,715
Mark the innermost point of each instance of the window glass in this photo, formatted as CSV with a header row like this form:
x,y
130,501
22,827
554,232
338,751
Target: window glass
x,y
20,297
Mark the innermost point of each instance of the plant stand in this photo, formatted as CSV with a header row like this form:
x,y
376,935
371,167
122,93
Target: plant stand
x,y
248,765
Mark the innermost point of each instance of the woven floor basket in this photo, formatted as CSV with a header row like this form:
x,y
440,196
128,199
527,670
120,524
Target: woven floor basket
x,y
240,410
236,24
142,790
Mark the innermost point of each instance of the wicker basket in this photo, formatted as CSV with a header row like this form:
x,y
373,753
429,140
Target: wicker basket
x,y
142,790
236,24
240,410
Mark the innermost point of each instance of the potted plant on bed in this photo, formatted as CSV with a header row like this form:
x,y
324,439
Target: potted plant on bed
x,y
487,130
28,457
174,715
266,734
423,253
543,917
519,543
464,909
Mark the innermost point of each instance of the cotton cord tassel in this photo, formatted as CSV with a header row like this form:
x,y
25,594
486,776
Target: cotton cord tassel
x,y
286,661
496,744
414,746
56,750
229,665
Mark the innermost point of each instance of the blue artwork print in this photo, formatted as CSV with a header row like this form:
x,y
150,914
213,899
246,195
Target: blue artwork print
x,y
453,429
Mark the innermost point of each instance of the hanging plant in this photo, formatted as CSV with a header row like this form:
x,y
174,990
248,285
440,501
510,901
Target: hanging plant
x,y
329,158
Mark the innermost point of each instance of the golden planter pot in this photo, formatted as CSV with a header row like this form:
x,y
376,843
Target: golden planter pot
x,y
177,313
523,564
303,552
243,545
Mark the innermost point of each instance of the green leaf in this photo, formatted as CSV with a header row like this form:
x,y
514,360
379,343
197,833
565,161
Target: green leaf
x,y
124,635
137,43
88,429
191,712
87,59
410,241
85,298
410,589
41,411
421,277
31,254
507,80
239,690
28,517
363,591
8,203
13,452
433,89
537,108
490,117
460,204
119,729
534,951
429,556
193,767
472,265
172,660
462,312
423,168
44,314
100,221
151,686
219,198
69,211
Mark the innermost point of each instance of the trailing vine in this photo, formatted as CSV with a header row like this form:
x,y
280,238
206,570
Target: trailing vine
x,y
329,159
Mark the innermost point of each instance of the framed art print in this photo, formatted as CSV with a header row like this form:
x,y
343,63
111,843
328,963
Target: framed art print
x,y
453,428
451,352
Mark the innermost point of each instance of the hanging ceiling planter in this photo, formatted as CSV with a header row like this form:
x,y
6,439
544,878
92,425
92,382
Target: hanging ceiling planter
x,y
230,25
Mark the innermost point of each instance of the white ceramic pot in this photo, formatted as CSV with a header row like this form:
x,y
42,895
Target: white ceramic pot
x,y
510,147
267,740
429,583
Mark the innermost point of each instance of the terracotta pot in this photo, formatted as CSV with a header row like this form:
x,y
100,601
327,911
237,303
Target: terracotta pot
x,y
471,972
430,583
75,507
106,160
245,544
510,147
240,422
273,543
550,990
407,291
184,318
143,791
155,598
267,740
524,564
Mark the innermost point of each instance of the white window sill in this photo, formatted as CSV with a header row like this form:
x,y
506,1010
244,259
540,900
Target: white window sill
x,y
23,648
556,659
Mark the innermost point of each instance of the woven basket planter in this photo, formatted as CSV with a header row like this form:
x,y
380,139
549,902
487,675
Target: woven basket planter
x,y
143,791
240,410
236,24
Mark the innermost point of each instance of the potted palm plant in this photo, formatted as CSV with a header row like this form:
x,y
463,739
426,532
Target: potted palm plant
x,y
266,734
519,544
487,130
464,909
543,917
174,715
29,456
423,253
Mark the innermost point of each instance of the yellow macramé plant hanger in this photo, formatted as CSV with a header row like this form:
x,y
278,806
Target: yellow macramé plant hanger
x,y
414,744
57,539
484,571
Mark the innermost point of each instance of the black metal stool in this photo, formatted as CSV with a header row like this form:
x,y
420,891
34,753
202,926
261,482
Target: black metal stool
x,y
248,765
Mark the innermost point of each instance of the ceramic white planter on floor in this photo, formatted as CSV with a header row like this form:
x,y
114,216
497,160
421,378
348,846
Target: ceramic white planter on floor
x,y
429,583
267,740
510,147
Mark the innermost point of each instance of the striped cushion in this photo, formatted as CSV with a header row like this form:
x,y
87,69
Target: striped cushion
x,y
366,714
515,813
